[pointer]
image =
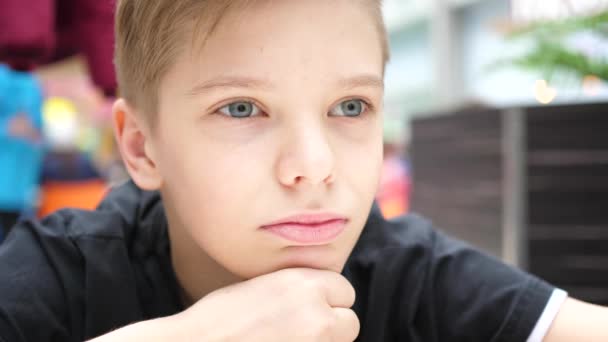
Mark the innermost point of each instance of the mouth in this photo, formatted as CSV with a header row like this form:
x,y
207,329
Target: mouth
x,y
308,229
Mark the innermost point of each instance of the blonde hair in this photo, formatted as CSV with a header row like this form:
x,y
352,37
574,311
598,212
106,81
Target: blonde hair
x,y
150,34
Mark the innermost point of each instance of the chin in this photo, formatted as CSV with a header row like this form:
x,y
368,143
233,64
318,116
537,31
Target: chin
x,y
324,257
317,257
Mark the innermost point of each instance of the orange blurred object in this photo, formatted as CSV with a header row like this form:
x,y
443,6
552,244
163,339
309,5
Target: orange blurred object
x,y
394,207
73,194
394,191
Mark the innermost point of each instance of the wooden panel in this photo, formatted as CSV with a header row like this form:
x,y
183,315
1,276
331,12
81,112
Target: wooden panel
x,y
568,198
458,171
457,175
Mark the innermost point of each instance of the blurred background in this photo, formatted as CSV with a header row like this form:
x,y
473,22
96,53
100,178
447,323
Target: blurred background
x,y
495,123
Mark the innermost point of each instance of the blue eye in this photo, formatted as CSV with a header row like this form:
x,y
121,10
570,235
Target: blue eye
x,y
349,108
240,110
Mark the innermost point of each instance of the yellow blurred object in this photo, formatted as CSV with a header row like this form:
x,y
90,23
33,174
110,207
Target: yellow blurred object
x,y
61,123
544,93
57,110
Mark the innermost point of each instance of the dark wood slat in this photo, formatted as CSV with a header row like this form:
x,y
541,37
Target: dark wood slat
x,y
458,179
457,175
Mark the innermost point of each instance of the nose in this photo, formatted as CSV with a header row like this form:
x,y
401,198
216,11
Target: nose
x,y
306,158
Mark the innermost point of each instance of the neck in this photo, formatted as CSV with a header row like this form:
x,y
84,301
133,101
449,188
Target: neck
x,y
197,273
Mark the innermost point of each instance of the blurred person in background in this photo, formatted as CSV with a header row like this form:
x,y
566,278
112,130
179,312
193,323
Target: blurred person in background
x,y
37,33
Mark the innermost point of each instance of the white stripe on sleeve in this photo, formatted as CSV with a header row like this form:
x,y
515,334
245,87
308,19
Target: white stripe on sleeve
x,y
546,319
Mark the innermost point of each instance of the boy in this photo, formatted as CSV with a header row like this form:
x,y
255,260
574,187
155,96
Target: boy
x,y
259,122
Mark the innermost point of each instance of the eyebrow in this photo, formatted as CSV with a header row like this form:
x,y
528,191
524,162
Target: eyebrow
x,y
360,81
229,82
366,80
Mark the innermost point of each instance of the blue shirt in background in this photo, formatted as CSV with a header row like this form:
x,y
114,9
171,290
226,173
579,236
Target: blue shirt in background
x,y
20,159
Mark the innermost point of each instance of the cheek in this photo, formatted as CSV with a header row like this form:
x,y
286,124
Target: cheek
x,y
359,156
213,177
211,194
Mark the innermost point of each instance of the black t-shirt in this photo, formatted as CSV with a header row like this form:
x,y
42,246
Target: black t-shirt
x,y
77,275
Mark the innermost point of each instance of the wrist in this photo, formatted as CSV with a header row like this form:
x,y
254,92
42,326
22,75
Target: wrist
x,y
160,329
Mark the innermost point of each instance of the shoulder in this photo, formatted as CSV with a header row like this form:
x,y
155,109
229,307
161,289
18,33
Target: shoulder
x,y
414,278
123,210
57,236
55,269
42,270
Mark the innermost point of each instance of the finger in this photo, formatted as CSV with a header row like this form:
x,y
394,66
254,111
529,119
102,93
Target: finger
x,y
346,328
334,289
338,290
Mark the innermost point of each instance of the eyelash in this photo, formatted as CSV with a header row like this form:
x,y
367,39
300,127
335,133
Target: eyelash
x,y
216,111
369,108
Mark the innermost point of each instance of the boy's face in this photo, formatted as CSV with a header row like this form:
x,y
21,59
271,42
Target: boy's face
x,y
279,114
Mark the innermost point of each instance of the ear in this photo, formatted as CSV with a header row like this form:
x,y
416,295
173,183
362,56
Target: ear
x,y
135,145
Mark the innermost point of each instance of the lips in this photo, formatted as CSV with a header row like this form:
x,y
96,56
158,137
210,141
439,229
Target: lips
x,y
308,229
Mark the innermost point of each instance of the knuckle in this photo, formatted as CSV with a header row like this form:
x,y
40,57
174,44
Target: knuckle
x,y
351,293
356,325
319,323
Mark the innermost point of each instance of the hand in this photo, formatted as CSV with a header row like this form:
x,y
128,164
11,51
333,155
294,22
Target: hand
x,y
288,305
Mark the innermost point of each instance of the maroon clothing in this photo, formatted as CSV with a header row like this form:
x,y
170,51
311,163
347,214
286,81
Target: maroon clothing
x,y
36,32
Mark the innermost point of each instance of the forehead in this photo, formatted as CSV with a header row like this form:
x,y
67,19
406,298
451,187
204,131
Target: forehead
x,y
313,40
